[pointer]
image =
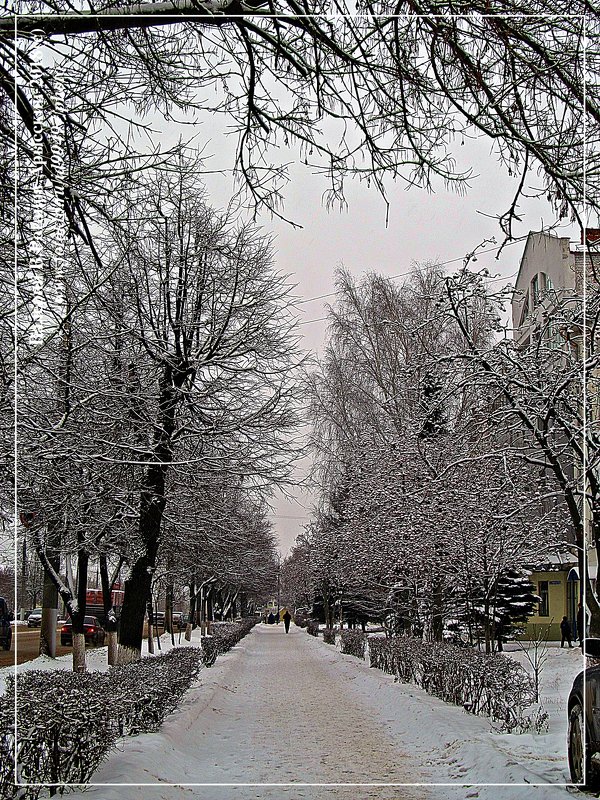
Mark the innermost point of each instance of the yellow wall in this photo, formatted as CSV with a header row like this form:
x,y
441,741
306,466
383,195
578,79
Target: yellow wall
x,y
557,602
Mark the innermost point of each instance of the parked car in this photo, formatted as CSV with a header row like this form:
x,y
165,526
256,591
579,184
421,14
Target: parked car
x,y
583,739
93,631
34,619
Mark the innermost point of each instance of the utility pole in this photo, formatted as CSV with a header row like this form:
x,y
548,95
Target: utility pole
x,y
278,585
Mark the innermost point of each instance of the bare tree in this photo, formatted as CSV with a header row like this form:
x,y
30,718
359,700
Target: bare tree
x,y
400,87
213,351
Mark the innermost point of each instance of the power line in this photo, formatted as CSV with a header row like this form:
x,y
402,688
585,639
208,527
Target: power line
x,y
408,272
323,319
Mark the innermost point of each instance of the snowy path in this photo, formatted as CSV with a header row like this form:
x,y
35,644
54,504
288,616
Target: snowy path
x,y
290,709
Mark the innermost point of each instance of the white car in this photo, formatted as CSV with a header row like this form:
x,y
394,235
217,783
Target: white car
x,y
34,620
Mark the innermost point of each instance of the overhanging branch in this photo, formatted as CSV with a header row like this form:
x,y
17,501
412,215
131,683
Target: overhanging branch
x,y
136,15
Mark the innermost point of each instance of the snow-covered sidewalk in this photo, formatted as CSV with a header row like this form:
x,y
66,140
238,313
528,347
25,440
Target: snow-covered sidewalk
x,y
289,709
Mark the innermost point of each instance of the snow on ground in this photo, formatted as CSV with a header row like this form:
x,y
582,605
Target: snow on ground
x,y
289,709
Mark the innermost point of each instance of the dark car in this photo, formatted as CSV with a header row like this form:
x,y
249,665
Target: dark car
x,y
34,618
584,723
94,632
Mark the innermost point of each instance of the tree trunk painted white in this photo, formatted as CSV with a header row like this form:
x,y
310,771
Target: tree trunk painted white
x,y
128,655
48,632
79,652
113,648
150,638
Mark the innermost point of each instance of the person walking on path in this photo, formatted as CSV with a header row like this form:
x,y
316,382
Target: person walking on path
x,y
565,632
287,617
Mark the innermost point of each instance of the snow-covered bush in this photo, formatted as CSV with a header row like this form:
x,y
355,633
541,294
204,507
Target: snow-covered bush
x,y
65,727
353,643
312,627
146,691
7,743
301,620
68,721
224,636
487,684
329,636
210,650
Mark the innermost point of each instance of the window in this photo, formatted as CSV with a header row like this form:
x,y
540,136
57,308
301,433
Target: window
x,y
535,291
543,594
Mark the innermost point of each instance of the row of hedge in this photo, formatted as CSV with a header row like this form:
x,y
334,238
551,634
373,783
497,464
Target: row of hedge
x,y
488,684
68,722
353,643
224,636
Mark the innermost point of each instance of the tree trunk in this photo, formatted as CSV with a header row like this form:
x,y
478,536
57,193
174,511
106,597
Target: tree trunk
x,y
78,615
110,618
131,627
23,593
49,618
49,611
78,652
191,613
152,506
203,610
486,623
591,601
150,614
113,648
169,608
437,617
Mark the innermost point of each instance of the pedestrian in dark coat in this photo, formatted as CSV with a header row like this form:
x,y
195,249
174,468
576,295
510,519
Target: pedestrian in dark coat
x,y
580,623
287,618
565,632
